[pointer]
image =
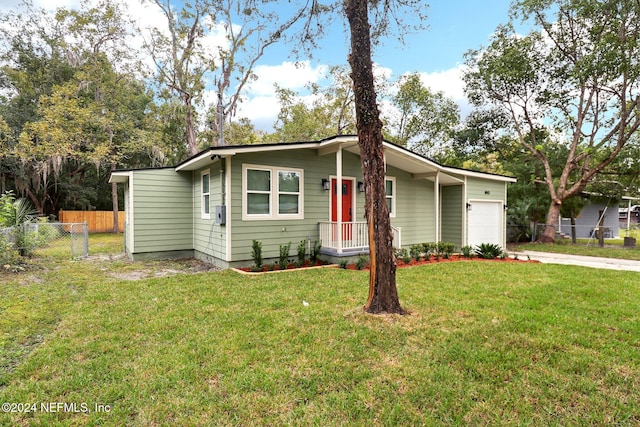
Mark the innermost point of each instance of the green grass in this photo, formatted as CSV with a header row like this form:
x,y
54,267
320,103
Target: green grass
x,y
485,344
613,248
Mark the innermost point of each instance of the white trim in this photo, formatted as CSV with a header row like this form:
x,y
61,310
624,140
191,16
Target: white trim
x,y
437,208
339,199
274,193
475,174
227,202
207,156
119,177
465,231
203,213
131,232
394,196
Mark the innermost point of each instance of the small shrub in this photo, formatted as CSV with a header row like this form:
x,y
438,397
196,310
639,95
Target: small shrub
x,y
445,249
403,254
302,252
415,251
488,250
467,251
362,261
284,255
256,254
314,256
343,263
9,257
427,249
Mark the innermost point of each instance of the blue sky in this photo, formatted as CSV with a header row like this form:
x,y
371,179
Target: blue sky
x,y
454,27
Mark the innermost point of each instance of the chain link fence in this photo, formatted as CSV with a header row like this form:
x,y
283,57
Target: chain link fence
x,y
532,232
57,238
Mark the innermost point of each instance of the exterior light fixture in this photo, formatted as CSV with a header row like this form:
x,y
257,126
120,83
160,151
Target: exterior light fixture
x,y
326,185
361,186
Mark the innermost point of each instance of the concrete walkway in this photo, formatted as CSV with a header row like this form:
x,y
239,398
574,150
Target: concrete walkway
x,y
584,261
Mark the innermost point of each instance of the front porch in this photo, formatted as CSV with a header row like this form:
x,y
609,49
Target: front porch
x,y
350,238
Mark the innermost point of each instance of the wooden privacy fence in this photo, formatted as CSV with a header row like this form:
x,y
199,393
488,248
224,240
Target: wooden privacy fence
x,y
97,221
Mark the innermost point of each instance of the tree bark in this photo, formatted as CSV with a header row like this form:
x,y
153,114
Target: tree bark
x,y
549,233
190,127
383,295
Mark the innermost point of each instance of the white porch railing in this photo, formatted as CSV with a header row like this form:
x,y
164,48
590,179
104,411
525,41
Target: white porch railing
x,y
354,236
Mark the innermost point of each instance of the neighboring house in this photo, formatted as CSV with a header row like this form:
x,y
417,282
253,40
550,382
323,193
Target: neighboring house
x,y
214,204
629,216
589,218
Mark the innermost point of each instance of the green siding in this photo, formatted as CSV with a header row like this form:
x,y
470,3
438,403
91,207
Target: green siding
x,y
477,189
209,238
414,208
162,211
414,203
273,233
451,214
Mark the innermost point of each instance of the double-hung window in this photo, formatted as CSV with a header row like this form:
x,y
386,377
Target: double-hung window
x,y
271,192
205,194
390,194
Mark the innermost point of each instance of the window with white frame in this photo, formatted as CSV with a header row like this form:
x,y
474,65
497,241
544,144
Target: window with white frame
x,y
272,192
205,194
390,194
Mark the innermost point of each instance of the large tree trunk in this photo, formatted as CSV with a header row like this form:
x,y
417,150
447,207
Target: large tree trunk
x,y
549,233
190,128
383,295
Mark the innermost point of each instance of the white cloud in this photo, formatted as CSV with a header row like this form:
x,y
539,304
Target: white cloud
x,y
450,82
260,103
289,75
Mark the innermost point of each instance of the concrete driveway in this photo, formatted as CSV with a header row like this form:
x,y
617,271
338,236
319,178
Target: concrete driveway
x,y
584,261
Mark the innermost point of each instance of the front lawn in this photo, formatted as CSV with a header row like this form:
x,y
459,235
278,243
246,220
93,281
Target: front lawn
x,y
485,343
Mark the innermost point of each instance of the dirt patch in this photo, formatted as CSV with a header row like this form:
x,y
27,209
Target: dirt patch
x,y
159,269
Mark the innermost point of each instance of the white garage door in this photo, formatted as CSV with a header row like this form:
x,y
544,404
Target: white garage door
x,y
485,223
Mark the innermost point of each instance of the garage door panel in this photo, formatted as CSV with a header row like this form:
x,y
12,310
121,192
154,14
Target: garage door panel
x,y
485,223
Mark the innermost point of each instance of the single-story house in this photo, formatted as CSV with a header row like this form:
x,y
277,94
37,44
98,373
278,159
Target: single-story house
x,y
589,218
214,204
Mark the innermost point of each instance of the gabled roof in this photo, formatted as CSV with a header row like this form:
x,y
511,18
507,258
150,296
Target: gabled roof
x,y
400,157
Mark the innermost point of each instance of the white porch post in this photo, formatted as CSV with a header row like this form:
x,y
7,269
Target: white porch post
x,y
436,205
465,214
339,196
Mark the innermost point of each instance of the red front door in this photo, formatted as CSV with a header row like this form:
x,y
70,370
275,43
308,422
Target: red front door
x,y
347,205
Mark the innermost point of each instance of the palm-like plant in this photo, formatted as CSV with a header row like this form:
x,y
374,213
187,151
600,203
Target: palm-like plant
x,y
14,214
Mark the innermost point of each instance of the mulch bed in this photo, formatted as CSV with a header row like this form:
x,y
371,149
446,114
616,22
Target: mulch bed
x,y
267,268
400,263
452,258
